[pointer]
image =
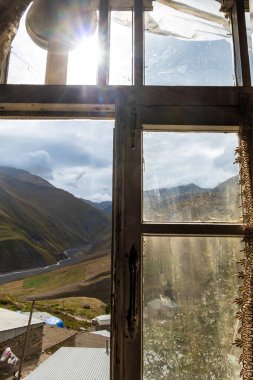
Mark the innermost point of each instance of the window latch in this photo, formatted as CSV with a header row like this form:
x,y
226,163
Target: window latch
x,y
133,265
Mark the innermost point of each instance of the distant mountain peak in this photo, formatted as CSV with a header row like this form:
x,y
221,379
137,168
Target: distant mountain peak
x,y
23,175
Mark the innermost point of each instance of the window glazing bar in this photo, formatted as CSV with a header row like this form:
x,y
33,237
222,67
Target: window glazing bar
x,y
138,43
104,44
241,54
195,229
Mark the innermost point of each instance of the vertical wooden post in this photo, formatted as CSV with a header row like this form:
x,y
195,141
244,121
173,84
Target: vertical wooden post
x,y
251,19
104,43
26,340
138,43
57,55
57,63
241,54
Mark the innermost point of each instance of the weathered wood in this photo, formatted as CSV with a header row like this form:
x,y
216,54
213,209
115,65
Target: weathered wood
x,y
4,68
178,105
118,296
193,229
127,343
138,44
146,95
241,54
192,115
104,43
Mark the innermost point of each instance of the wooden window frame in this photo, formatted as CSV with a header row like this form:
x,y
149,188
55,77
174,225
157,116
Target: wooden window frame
x,y
219,106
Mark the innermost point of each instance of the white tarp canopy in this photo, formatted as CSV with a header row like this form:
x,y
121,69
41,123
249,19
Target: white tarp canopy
x,y
196,20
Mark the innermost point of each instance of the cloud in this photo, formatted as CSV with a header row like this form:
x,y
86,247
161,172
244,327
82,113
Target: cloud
x,y
76,155
69,153
179,158
224,160
39,163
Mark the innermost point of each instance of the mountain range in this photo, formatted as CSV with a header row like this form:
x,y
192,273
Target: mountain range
x,y
38,222
191,203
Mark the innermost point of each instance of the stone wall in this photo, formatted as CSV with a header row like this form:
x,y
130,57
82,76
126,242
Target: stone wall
x,y
69,342
34,344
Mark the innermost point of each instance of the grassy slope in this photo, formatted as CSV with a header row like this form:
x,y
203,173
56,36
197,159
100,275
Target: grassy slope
x,y
74,311
38,222
90,278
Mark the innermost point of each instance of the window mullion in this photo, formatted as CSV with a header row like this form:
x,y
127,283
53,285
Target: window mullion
x,y
196,229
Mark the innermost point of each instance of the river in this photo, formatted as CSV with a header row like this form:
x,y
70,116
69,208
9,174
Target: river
x,y
75,255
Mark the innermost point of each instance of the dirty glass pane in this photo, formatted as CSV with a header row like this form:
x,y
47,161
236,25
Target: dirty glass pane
x,y
27,60
190,177
188,312
121,48
188,43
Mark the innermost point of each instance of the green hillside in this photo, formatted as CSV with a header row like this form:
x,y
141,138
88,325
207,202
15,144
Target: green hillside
x,y
39,222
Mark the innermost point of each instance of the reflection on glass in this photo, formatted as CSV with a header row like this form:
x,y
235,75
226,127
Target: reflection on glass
x,y
189,287
190,177
188,43
121,48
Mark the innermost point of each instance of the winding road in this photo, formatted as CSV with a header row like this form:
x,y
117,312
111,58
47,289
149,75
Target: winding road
x,y
75,255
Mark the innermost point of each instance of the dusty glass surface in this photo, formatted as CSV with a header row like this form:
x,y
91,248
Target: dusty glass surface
x,y
188,43
190,177
189,285
27,60
121,48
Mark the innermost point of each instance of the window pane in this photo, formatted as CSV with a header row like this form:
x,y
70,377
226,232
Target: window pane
x,y
27,60
55,225
190,177
188,43
83,61
121,48
189,287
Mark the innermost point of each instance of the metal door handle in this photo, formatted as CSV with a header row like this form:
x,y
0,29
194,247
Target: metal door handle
x,y
133,265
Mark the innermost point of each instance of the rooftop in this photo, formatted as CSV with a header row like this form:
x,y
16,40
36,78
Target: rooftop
x,y
74,363
104,319
13,324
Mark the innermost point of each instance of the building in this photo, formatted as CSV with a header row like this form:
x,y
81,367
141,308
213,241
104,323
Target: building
x,y
102,322
155,109
13,328
74,363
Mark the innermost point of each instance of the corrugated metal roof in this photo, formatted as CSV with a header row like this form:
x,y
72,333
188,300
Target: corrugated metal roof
x,y
11,320
104,333
74,363
104,319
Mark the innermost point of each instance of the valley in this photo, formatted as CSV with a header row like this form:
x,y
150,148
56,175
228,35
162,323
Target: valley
x,y
55,221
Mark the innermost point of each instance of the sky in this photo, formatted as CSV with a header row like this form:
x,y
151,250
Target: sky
x,y
179,158
70,154
76,155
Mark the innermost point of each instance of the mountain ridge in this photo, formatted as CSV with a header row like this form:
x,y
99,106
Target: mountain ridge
x,y
42,221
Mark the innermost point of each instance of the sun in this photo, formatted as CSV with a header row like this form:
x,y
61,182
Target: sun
x,y
83,62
